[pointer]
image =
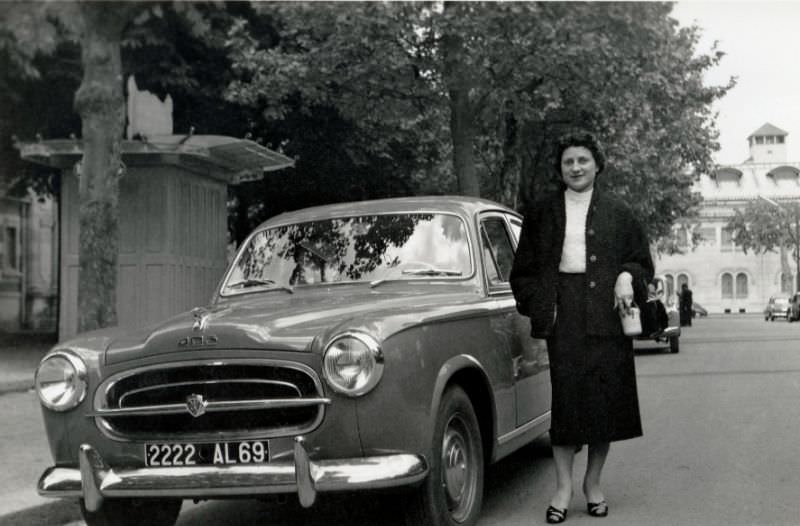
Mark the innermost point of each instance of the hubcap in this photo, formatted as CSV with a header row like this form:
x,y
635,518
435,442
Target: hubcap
x,y
458,468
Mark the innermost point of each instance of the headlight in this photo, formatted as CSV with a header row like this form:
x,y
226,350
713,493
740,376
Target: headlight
x,y
61,381
352,363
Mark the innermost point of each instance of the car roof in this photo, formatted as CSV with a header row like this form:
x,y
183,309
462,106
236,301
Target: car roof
x,y
461,205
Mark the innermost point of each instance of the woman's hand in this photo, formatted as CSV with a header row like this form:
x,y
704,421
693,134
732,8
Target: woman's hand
x,y
623,291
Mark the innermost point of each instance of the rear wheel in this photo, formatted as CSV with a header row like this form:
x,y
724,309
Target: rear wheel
x,y
133,512
674,344
453,491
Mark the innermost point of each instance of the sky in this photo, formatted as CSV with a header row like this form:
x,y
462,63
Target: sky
x,y
762,51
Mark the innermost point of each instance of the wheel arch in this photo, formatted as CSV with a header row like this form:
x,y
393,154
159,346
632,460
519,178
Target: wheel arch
x,y
467,373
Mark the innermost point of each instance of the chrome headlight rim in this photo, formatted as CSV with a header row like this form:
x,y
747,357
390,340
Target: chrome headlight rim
x,y
80,382
374,352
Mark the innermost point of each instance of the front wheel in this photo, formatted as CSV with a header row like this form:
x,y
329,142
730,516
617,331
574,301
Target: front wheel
x,y
453,491
133,512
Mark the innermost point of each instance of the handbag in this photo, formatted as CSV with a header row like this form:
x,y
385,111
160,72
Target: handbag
x,y
631,320
646,314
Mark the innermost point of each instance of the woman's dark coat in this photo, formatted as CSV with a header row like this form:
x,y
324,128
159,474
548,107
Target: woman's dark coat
x,y
592,369
615,242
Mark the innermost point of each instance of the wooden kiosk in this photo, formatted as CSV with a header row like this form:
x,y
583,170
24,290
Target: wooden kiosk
x,y
173,219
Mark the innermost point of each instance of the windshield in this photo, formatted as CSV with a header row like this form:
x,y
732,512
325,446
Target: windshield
x,y
370,248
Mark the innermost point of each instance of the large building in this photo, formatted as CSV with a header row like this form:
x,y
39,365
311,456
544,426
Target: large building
x,y
28,262
722,277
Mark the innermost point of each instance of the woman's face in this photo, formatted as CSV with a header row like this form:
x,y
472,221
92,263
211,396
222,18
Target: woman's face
x,y
578,169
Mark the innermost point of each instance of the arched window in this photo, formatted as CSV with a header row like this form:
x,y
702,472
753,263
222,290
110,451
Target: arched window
x,y
741,285
682,279
670,285
727,285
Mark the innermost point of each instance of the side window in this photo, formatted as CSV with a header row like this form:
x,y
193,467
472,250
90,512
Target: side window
x,y
516,227
501,251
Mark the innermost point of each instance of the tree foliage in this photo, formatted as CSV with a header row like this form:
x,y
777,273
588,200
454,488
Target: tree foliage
x,y
768,226
504,77
376,99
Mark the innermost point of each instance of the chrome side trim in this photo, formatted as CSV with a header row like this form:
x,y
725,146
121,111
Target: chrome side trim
x,y
235,405
95,481
521,430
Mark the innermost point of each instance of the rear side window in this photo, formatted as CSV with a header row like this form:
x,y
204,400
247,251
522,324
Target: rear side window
x,y
498,249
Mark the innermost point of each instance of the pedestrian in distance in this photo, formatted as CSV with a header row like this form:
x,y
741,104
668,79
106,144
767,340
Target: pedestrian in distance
x,y
582,254
685,305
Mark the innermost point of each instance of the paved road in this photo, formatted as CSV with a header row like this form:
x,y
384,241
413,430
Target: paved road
x,y
721,421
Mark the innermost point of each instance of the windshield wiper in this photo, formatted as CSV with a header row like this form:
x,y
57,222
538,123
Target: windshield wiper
x,y
260,283
418,272
431,272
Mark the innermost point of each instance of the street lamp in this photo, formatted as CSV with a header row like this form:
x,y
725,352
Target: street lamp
x,y
795,213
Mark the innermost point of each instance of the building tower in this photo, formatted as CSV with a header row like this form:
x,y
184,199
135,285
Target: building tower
x,y
767,145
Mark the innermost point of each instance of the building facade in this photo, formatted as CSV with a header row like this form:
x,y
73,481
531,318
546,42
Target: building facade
x,y
722,277
28,262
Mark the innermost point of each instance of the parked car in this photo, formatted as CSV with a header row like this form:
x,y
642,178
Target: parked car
x,y
670,334
348,347
698,310
794,308
777,307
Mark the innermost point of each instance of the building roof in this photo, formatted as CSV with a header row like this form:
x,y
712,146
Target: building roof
x,y
226,158
750,180
768,129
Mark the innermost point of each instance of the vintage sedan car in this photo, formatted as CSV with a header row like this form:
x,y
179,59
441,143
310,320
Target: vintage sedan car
x,y
777,307
348,347
670,334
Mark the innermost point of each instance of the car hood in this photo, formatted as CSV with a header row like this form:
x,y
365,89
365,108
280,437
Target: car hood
x,y
278,320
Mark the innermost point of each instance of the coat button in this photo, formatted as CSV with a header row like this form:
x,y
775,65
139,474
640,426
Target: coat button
x,y
590,231
592,258
592,284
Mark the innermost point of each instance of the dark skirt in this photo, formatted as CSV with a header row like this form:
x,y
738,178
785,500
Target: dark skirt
x,y
593,377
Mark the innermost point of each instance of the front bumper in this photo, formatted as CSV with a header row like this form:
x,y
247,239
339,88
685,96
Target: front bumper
x,y
94,480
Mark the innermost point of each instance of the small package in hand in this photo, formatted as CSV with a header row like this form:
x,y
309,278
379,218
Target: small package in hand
x,y
631,320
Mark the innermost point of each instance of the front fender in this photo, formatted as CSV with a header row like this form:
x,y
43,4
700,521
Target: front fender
x,y
456,366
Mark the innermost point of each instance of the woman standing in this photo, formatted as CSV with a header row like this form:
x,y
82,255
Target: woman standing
x,y
581,253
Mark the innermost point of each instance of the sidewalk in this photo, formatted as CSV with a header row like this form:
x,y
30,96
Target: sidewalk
x,y
19,355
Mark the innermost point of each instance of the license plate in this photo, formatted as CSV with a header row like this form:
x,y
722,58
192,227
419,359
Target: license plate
x,y
223,453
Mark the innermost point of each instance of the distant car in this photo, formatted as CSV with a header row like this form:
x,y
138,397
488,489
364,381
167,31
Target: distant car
x,y
349,347
672,332
794,308
698,310
778,307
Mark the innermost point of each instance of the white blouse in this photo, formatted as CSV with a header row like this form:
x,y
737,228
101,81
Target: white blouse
x,y
573,253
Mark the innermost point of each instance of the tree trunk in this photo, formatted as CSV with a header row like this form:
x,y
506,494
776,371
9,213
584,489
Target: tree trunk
x,y
101,105
462,114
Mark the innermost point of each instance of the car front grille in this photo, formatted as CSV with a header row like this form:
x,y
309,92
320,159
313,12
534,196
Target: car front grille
x,y
211,400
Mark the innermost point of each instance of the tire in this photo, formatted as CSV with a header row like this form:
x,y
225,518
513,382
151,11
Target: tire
x,y
674,344
452,493
133,512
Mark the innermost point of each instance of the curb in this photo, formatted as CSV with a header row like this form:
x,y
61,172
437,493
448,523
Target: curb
x,y
16,386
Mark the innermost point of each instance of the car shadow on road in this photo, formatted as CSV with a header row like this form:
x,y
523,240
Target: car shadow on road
x,y
377,508
56,512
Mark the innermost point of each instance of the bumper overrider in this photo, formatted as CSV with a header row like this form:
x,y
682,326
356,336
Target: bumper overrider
x,y
94,480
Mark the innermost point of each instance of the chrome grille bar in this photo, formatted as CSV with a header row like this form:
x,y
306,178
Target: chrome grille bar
x,y
236,405
242,399
242,381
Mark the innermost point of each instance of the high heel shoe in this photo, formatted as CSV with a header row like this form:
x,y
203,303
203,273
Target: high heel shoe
x,y
555,515
597,509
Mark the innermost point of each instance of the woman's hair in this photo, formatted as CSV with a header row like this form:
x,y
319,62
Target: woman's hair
x,y
580,138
